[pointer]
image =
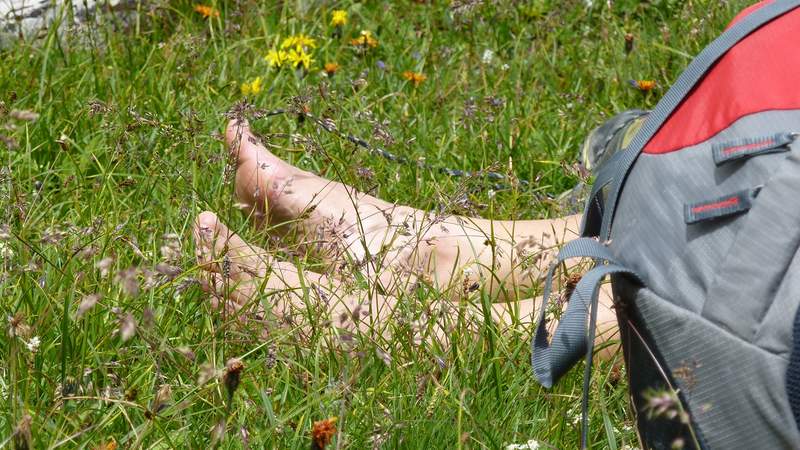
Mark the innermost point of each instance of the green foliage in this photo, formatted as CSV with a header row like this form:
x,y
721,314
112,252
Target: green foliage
x,y
125,152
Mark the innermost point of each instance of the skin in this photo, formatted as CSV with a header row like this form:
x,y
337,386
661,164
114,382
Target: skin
x,y
393,246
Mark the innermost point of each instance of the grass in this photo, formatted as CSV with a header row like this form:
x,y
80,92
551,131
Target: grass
x,y
124,152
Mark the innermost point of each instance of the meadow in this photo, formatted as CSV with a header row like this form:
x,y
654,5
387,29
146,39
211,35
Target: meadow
x,y
110,142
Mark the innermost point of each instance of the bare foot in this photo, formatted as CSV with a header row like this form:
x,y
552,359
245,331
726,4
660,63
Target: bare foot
x,y
249,282
236,269
245,276
331,218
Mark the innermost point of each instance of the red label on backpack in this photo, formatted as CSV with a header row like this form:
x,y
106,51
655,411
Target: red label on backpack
x,y
728,205
743,148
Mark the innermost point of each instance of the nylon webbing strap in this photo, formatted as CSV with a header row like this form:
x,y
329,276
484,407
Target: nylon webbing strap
x,y
670,101
541,350
724,152
571,340
551,361
793,371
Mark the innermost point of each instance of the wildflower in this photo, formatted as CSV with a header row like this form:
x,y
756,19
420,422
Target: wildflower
x,y
643,85
298,57
365,40
232,376
206,11
276,58
33,344
331,68
574,415
322,432
18,327
532,444
415,77
381,65
339,18
299,41
487,57
5,251
252,87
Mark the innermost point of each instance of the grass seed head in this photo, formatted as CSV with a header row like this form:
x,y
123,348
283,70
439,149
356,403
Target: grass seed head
x,y
22,433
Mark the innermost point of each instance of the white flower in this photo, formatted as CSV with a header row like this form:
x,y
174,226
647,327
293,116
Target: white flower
x,y
487,57
33,344
505,67
574,415
5,250
532,444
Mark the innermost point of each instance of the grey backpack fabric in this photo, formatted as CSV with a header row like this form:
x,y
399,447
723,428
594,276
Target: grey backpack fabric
x,y
704,262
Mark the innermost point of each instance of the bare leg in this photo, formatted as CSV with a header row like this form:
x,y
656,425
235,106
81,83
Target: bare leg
x,y
252,280
394,245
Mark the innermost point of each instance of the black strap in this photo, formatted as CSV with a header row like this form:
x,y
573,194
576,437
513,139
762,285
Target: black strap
x,y
618,172
793,372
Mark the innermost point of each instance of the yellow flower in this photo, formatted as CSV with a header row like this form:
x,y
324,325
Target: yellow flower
x,y
298,57
252,88
365,40
339,17
206,11
276,58
331,68
414,77
299,41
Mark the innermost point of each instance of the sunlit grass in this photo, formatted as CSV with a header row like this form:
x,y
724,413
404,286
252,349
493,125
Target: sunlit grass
x,y
110,145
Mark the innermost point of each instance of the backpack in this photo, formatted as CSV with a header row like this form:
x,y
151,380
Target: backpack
x,y
697,223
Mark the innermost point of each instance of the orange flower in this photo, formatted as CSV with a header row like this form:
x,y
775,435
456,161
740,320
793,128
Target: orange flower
x,y
415,77
643,85
206,11
110,445
331,68
322,432
365,40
